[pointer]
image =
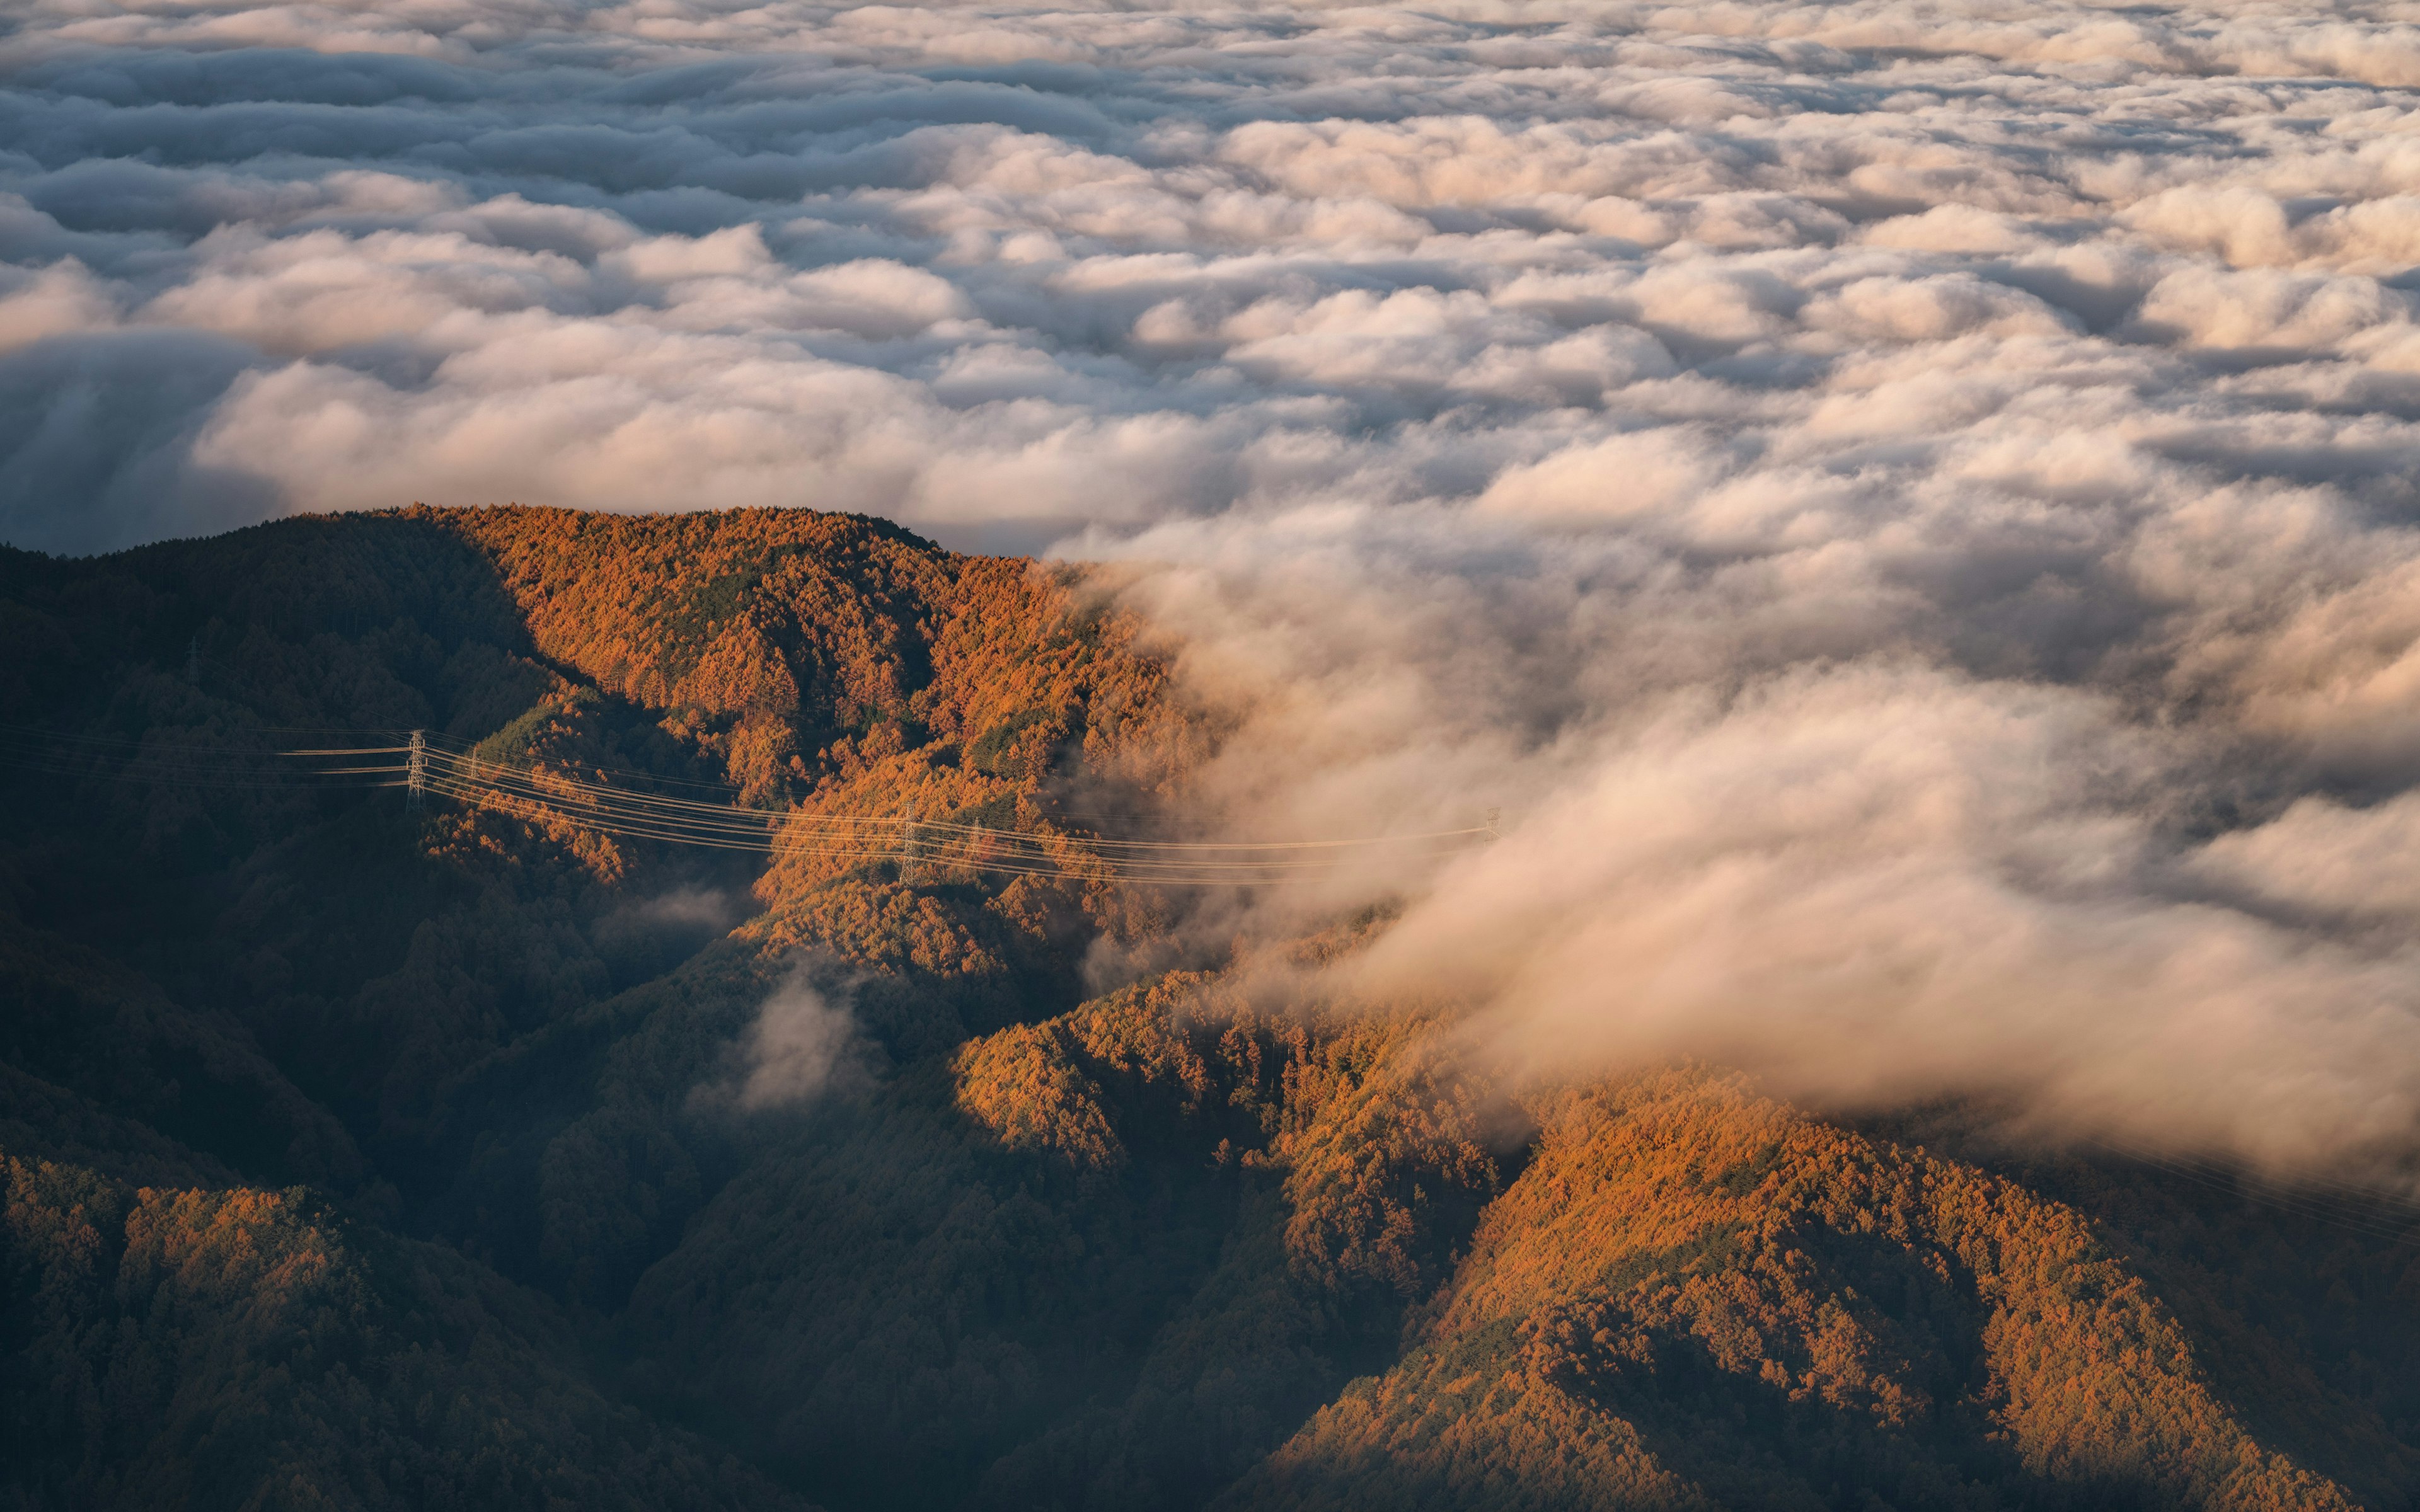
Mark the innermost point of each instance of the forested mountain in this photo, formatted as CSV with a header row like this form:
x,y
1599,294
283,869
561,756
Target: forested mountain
x,y
471,1155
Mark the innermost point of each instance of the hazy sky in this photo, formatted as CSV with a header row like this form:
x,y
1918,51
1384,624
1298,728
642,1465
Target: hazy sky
x,y
1907,507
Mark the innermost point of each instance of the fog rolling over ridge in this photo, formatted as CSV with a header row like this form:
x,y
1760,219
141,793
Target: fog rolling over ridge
x,y
1906,508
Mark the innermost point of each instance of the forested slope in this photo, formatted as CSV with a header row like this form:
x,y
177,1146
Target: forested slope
x,y
366,1156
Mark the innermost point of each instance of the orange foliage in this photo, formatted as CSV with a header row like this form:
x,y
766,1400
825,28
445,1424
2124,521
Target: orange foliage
x,y
1676,1237
1043,1252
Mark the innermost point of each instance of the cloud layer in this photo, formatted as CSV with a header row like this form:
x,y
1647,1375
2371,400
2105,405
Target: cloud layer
x,y
1906,506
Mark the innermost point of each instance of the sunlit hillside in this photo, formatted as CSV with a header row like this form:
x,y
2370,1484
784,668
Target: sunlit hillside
x,y
487,1152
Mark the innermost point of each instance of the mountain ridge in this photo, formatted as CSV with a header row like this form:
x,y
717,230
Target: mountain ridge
x,y
455,1096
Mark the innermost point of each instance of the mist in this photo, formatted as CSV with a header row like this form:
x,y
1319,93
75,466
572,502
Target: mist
x,y
1904,509
802,1045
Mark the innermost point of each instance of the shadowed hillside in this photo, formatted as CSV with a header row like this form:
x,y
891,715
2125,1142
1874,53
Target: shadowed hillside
x,y
366,1155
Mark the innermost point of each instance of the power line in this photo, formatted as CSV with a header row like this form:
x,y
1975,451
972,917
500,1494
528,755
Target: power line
x,y
920,848
2349,1205
175,764
916,844
465,748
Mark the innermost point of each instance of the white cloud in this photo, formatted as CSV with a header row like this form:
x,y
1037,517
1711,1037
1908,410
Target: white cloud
x,y
801,1046
1904,503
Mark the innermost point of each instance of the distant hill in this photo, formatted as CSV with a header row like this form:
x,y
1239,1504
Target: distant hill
x,y
365,1155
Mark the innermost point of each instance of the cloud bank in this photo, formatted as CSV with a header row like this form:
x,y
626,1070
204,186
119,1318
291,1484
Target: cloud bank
x,y
1906,506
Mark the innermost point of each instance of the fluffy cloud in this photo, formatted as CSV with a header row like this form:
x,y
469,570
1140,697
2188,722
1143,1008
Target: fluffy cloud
x,y
1904,505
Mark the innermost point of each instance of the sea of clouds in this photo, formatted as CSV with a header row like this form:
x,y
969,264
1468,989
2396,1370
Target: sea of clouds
x,y
1906,508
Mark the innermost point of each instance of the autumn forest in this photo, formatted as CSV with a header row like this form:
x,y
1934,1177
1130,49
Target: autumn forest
x,y
366,1152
